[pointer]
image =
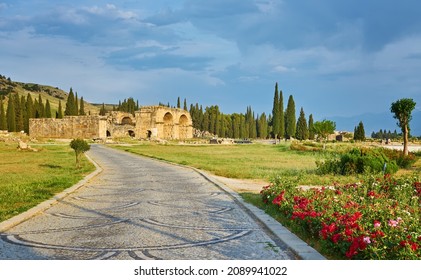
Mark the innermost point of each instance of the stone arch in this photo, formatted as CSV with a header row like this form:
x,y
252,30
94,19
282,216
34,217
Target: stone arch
x,y
131,133
168,125
183,126
126,120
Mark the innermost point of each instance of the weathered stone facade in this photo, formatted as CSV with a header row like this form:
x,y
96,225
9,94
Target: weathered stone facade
x,y
154,122
69,127
164,123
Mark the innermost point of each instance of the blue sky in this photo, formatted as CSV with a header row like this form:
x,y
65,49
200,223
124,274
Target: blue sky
x,y
337,58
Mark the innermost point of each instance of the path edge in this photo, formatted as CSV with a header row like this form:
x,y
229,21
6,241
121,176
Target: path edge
x,y
293,242
15,220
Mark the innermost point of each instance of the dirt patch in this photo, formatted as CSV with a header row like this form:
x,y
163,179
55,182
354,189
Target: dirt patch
x,y
243,185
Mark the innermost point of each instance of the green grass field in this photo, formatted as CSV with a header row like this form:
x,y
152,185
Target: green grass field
x,y
28,178
249,161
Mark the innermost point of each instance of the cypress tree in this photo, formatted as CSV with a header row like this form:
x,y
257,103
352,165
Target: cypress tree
x,y
82,107
18,114
359,132
178,102
262,127
24,112
185,104
301,128
29,112
70,104
276,113
76,112
3,121
59,114
47,109
290,118
102,111
41,109
311,133
281,115
10,115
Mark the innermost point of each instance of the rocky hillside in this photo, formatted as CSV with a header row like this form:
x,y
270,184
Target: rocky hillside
x,y
53,94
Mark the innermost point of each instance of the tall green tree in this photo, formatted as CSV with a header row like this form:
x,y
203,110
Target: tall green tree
x,y
102,111
185,104
281,115
76,105
30,112
70,109
40,107
359,132
178,102
276,113
262,128
290,118
402,111
82,107
18,113
311,132
47,109
302,129
11,115
59,114
3,120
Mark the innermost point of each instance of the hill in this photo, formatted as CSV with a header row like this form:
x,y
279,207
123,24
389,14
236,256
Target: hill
x,y
53,94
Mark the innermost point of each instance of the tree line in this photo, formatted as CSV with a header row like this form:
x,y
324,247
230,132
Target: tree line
x,y
280,124
20,109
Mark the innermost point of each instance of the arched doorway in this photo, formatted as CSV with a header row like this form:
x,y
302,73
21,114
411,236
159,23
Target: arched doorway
x,y
183,124
108,133
126,120
148,134
168,126
131,133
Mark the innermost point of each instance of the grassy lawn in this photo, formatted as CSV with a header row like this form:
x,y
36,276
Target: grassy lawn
x,y
249,161
233,161
28,178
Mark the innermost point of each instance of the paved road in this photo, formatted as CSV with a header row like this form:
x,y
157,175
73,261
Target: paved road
x,y
139,208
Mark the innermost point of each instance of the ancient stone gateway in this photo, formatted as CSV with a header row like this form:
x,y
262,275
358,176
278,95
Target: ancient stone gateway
x,y
152,122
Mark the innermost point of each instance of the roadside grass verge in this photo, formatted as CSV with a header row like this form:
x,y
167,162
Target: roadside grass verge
x,y
249,161
28,178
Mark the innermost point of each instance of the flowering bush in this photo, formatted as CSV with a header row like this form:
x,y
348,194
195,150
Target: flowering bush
x,y
375,219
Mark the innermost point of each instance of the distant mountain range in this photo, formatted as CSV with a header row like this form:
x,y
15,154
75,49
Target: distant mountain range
x,y
375,122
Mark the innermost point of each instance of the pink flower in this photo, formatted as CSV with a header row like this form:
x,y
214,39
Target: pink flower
x,y
367,240
393,223
377,224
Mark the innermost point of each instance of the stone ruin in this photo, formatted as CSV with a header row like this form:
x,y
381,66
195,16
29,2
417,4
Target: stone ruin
x,y
150,122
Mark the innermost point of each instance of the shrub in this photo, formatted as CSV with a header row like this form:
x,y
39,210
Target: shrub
x,y
401,160
358,161
375,219
80,146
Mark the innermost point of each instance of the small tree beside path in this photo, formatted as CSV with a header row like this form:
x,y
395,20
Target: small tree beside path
x,y
80,146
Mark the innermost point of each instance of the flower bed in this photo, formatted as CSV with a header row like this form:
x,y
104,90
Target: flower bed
x,y
376,219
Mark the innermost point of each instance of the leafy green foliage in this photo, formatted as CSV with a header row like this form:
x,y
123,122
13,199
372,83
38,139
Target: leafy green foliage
x,y
79,146
358,161
402,110
375,219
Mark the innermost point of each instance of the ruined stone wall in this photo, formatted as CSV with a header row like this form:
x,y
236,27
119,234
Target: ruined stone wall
x,y
121,124
69,127
164,123
149,122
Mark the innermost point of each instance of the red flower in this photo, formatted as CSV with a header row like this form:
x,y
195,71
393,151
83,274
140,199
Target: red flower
x,y
277,200
336,237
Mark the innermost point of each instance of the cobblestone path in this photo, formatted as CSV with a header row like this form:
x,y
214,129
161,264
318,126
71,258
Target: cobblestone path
x,y
138,208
